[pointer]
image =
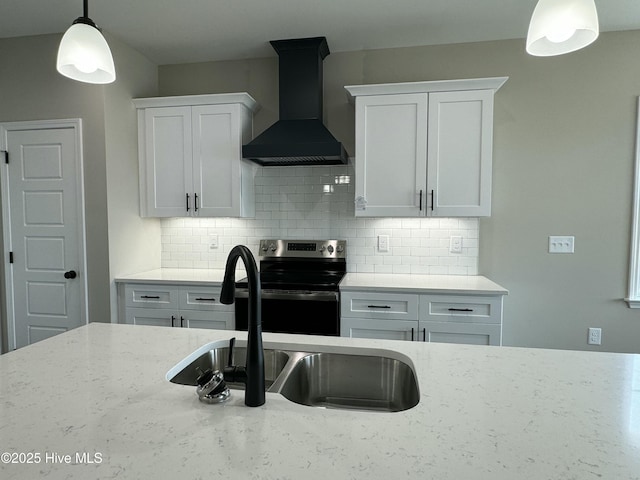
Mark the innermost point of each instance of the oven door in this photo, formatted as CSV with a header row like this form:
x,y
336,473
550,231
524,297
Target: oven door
x,y
285,311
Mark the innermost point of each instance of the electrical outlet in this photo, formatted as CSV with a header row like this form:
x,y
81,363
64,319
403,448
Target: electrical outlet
x,y
455,244
595,336
213,242
383,243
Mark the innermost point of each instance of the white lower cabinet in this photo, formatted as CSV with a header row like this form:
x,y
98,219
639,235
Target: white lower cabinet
x,y
469,319
175,306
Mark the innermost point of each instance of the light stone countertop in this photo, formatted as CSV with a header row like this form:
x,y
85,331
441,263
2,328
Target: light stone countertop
x,y
407,283
484,413
410,283
173,276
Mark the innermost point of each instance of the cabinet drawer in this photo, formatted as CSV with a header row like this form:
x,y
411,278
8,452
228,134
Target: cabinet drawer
x,y
151,296
379,305
465,309
202,298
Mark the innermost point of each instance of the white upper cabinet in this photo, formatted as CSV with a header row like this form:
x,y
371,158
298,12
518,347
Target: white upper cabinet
x,y
190,152
424,148
391,154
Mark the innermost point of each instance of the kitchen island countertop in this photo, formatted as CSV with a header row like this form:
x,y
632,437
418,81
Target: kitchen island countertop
x,y
484,413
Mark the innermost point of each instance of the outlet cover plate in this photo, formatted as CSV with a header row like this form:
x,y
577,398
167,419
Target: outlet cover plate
x,y
455,244
383,243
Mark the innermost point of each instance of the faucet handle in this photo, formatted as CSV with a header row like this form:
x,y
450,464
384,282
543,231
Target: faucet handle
x,y
232,344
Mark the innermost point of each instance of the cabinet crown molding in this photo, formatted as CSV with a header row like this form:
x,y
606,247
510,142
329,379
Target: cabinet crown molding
x,y
491,83
192,100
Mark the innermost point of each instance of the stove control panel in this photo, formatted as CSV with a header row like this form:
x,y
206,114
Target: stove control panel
x,y
304,248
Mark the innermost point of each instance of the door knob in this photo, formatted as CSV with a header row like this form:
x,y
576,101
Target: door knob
x,y
70,274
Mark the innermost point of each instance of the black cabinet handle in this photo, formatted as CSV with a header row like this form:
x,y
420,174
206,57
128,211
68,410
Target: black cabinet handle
x,y
420,199
461,309
432,202
195,202
71,274
187,202
378,306
201,299
155,297
424,334
172,320
181,321
412,334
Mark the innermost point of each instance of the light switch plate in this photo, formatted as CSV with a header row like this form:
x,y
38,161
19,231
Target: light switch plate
x,y
561,244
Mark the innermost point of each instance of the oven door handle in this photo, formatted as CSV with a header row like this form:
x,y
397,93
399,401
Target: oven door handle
x,y
317,296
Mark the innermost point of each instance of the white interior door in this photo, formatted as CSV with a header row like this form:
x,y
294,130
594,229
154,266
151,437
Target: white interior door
x,y
43,224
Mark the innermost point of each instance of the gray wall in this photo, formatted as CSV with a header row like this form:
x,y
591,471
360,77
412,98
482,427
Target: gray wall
x,y
563,165
134,242
31,89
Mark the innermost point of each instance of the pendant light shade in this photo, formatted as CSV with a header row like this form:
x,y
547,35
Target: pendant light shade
x,y
562,26
84,55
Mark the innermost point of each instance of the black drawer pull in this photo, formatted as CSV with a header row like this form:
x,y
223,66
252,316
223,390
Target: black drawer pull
x,y
181,321
412,334
201,299
154,297
173,318
461,309
378,306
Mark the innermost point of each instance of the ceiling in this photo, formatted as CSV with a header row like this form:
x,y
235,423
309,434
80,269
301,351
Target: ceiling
x,y
183,31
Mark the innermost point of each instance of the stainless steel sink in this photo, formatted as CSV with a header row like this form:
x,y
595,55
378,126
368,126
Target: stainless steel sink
x,y
339,377
217,359
360,382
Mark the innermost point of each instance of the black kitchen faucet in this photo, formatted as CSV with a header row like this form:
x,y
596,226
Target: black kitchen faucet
x,y
253,374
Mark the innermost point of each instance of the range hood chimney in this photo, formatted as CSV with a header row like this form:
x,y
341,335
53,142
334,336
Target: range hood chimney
x,y
299,137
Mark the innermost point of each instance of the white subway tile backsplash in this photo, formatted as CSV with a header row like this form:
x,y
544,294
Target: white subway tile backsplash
x,y
317,202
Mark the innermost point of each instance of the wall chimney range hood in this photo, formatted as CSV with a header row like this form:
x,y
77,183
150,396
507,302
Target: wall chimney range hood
x,y
299,137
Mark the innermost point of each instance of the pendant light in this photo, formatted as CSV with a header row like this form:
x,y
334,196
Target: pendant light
x,y
83,54
562,26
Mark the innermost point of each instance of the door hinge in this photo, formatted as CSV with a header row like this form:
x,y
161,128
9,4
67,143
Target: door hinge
x,y
10,257
6,156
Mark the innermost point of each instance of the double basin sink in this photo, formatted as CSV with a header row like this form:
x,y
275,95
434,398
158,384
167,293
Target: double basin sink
x,y
317,376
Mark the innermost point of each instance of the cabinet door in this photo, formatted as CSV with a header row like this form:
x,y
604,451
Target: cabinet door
x,y
378,329
460,153
463,333
391,162
156,318
212,319
167,160
216,154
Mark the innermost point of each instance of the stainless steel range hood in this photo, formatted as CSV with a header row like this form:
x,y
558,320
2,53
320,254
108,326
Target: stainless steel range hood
x,y
299,137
